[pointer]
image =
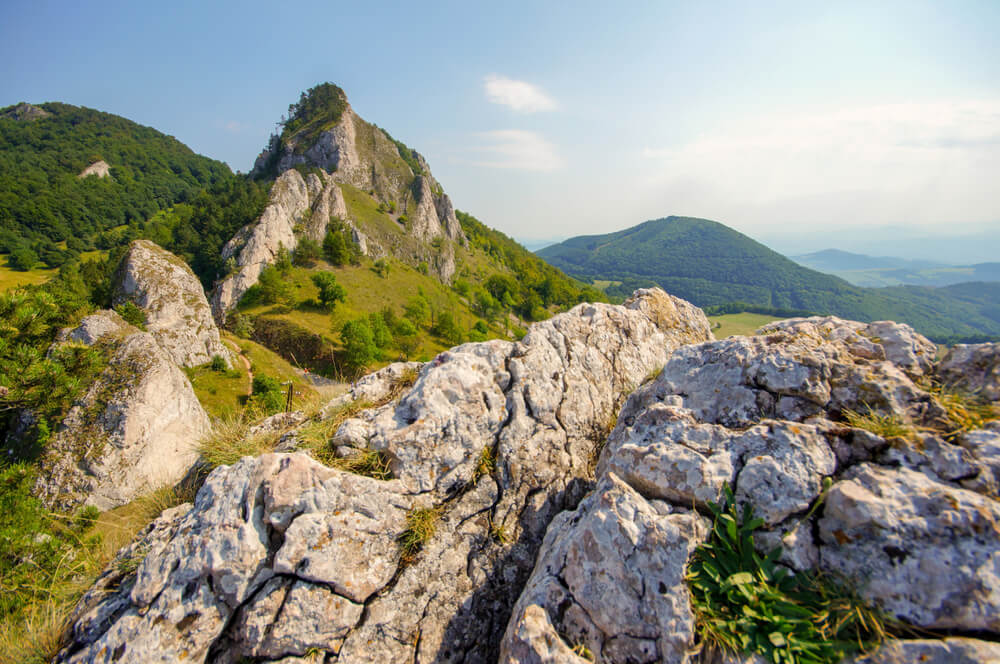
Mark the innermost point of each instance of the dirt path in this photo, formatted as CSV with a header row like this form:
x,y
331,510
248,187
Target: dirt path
x,y
246,364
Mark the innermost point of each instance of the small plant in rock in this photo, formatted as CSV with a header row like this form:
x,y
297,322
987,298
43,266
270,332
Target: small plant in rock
x,y
229,441
132,314
485,464
886,426
498,532
367,462
421,524
965,411
581,650
744,602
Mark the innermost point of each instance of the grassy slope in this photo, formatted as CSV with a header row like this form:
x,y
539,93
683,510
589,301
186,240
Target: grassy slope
x,y
743,324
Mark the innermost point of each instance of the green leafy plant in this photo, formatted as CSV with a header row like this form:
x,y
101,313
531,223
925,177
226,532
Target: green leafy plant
x,y
132,314
745,602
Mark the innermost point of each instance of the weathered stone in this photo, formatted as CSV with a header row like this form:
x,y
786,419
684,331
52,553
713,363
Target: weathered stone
x,y
925,551
99,168
974,368
246,527
171,297
614,571
134,430
539,407
933,651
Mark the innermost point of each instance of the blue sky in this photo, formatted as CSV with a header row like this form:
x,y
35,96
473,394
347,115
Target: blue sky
x,y
784,120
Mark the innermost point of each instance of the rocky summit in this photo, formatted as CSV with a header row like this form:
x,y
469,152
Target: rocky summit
x,y
563,482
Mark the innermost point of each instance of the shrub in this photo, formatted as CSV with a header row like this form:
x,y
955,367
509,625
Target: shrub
x,y
218,363
132,314
267,397
307,252
22,258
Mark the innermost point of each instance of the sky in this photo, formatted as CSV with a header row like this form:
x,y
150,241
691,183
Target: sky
x,y
806,125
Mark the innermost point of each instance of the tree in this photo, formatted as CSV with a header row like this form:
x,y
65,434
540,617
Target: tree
x,y
359,344
274,288
330,292
22,258
380,331
447,329
335,249
418,310
307,252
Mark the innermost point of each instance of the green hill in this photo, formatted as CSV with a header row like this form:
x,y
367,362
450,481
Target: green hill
x,y
43,200
712,265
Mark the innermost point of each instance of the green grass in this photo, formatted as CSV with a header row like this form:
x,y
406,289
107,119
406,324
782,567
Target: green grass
x,y
744,324
421,524
744,602
367,292
884,425
11,278
228,441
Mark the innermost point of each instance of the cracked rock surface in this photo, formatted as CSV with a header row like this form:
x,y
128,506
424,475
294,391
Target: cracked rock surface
x,y
914,523
282,557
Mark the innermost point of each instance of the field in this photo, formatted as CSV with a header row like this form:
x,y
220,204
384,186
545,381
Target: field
x,y
11,278
743,324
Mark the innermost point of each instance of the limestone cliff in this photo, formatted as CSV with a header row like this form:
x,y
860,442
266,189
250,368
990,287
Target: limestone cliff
x,y
172,299
298,207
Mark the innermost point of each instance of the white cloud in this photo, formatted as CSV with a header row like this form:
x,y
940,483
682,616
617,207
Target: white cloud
x,y
516,149
521,96
918,163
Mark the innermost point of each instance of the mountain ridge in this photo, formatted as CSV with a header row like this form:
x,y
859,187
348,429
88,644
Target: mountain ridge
x,y
711,264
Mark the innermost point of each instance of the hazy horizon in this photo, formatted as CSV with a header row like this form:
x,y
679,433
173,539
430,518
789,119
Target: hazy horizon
x,y
789,123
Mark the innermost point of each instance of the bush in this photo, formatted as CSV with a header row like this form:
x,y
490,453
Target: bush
x,y
380,331
132,314
268,396
218,363
307,252
447,329
274,288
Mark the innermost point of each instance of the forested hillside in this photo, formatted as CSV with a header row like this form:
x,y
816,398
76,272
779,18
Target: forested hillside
x,y
712,265
44,202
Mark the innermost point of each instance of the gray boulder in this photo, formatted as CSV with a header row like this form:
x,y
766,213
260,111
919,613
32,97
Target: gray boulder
x,y
171,297
134,430
974,368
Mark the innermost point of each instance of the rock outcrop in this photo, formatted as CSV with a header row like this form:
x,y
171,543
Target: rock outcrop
x,y
974,368
25,112
297,208
134,430
99,168
556,541
171,297
757,413
281,556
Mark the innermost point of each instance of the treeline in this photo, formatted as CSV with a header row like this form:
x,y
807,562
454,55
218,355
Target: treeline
x,y
42,201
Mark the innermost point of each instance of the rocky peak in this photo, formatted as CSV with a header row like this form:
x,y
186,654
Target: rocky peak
x,y
25,112
171,297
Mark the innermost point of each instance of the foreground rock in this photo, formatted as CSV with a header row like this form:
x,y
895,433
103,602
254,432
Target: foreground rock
x,y
756,413
171,297
134,430
281,556
974,368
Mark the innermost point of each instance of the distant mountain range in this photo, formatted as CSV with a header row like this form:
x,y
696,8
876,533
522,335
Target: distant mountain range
x,y
710,264
876,271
